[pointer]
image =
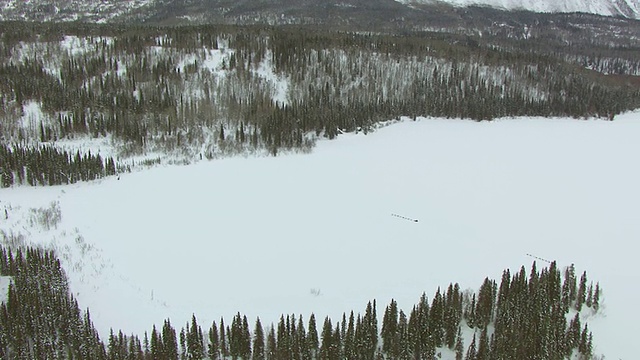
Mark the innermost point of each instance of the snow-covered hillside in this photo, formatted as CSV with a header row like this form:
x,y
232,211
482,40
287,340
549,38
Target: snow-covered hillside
x,y
315,233
282,12
627,8
69,10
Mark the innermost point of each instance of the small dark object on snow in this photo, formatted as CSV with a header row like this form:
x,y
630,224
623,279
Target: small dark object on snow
x,y
404,217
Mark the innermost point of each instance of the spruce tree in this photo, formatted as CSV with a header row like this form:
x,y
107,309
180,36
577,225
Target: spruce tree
x,y
170,341
245,344
436,319
195,345
459,347
145,345
214,343
471,351
483,346
596,297
295,341
589,300
583,347
570,281
183,344
283,349
335,348
258,342
582,289
272,345
326,339
389,331
157,350
572,337
224,347
370,327
349,339
403,351
305,354
312,336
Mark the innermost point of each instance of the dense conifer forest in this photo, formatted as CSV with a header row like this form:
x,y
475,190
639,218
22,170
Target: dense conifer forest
x,y
194,92
526,315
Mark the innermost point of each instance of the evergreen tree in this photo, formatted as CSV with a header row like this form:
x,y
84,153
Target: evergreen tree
x,y
271,351
312,336
483,346
596,297
584,347
572,337
145,346
283,349
245,345
305,353
326,337
157,350
470,313
589,300
258,342
350,350
335,347
569,287
170,341
195,344
404,351
436,319
370,330
295,340
484,306
214,343
453,313
471,351
389,332
224,348
183,344
582,289
425,338
459,347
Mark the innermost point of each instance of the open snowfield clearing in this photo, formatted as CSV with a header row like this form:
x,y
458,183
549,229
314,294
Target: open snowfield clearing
x,y
315,233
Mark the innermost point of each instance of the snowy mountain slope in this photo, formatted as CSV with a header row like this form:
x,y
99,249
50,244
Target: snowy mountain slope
x,y
314,233
626,8
69,10
344,12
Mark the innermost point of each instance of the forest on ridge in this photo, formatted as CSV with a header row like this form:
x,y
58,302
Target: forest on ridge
x,y
205,91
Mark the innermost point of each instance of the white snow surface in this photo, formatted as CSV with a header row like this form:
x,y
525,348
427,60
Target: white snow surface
x,y
297,234
4,287
279,83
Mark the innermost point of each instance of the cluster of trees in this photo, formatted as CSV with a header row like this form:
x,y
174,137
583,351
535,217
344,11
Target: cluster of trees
x,y
40,319
529,315
202,90
47,165
523,317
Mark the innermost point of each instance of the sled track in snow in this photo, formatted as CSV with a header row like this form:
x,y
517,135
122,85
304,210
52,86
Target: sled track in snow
x,y
404,217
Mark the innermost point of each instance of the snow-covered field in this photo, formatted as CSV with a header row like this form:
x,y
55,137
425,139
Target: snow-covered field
x,y
314,233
